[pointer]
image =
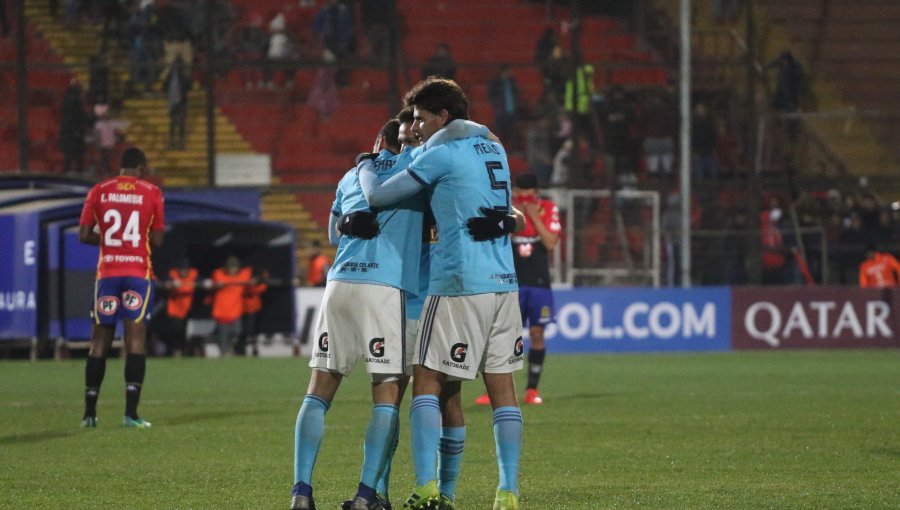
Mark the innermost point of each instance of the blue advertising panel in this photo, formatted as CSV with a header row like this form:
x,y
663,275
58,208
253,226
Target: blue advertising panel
x,y
640,320
18,276
80,264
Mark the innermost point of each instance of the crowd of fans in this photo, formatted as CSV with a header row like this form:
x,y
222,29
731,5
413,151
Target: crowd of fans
x,y
580,132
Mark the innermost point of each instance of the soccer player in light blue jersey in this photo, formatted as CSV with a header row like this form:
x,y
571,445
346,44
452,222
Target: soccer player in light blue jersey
x,y
362,318
471,321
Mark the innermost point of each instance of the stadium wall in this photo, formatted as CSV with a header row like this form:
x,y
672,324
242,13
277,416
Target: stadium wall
x,y
594,320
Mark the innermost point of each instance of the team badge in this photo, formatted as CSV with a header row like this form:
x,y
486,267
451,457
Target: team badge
x,y
131,300
323,342
458,352
107,305
376,347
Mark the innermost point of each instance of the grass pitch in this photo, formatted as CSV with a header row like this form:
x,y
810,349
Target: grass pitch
x,y
728,430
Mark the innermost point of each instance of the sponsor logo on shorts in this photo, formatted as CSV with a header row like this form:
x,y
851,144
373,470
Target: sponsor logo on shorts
x,y
376,347
107,305
131,300
458,352
519,348
323,342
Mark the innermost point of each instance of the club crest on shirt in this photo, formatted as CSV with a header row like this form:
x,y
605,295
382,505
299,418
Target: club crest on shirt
x,y
107,305
131,300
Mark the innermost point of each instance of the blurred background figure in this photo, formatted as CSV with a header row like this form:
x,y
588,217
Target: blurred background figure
x,y
317,266
180,287
228,283
252,305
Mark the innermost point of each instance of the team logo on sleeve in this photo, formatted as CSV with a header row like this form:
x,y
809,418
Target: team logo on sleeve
x,y
107,305
458,352
376,347
323,342
131,300
519,347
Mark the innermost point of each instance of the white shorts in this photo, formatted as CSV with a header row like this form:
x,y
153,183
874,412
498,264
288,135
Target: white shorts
x,y
361,321
463,335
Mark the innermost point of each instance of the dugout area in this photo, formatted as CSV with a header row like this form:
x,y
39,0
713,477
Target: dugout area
x,y
47,275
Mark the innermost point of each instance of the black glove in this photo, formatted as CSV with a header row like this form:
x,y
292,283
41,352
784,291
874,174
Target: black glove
x,y
364,156
361,224
492,225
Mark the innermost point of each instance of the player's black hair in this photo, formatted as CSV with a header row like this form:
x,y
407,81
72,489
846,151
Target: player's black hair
x,y
435,94
405,116
132,158
526,180
390,133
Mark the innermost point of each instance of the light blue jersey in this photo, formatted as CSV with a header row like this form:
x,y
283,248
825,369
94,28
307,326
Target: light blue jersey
x,y
464,176
391,257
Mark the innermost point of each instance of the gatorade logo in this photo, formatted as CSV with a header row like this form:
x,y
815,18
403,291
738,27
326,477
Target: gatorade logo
x,y
458,352
376,347
323,342
519,347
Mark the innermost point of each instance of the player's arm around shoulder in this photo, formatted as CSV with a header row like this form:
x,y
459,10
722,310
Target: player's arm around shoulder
x,y
86,232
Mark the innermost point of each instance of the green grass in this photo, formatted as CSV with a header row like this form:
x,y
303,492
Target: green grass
x,y
737,430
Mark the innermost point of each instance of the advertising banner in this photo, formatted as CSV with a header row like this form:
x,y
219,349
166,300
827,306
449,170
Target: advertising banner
x,y
814,317
639,319
18,276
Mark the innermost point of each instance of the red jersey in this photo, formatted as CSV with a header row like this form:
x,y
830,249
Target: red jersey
x,y
126,209
531,258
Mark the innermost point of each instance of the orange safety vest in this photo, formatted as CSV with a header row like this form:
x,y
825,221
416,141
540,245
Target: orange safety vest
x,y
228,302
880,271
181,297
315,276
252,299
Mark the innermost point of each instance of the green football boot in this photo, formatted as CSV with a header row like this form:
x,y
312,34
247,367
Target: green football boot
x,y
506,500
425,497
138,423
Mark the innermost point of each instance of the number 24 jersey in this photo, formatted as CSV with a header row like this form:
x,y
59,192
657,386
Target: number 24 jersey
x,y
126,209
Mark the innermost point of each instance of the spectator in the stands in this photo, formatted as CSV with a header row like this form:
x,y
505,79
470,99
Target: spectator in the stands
x,y
789,82
704,142
774,257
440,64
617,120
143,44
280,54
176,84
671,226
108,131
578,102
323,95
545,45
176,35
73,126
252,43
376,16
539,150
98,79
850,247
556,71
503,94
334,28
658,123
735,247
